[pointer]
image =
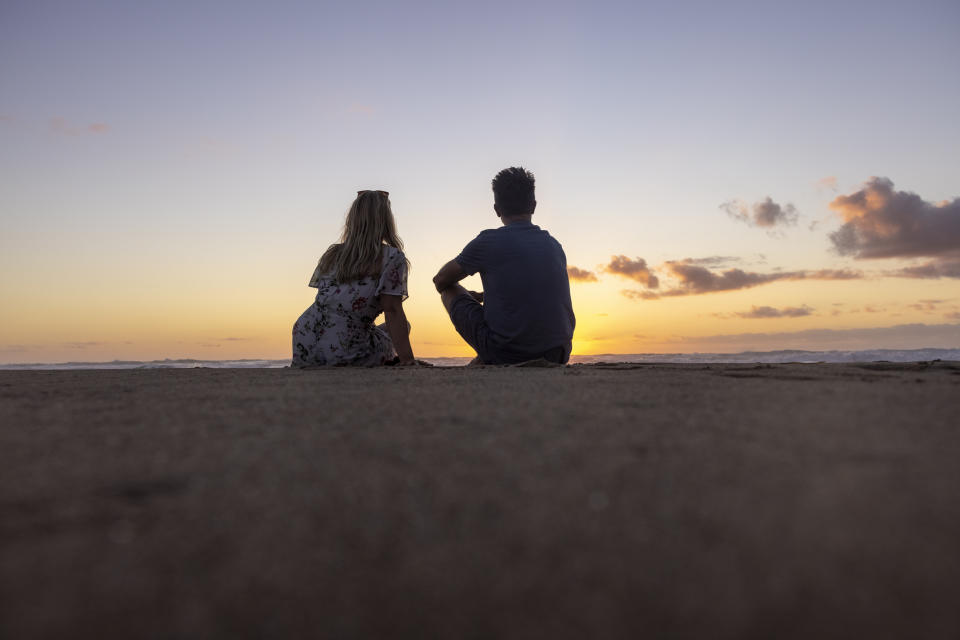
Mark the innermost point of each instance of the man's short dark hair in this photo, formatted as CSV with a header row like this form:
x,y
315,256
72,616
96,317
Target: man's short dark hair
x,y
513,191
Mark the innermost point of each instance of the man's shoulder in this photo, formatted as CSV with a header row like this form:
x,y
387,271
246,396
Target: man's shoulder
x,y
486,233
485,236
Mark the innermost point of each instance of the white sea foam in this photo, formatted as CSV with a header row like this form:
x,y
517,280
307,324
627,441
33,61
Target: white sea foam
x,y
868,355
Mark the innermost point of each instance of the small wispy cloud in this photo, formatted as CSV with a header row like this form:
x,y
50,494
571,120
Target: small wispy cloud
x,y
63,127
932,270
829,182
771,312
633,294
362,109
766,214
926,305
834,274
714,262
16,348
83,345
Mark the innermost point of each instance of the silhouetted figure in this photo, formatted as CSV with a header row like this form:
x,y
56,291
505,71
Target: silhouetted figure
x,y
364,274
524,311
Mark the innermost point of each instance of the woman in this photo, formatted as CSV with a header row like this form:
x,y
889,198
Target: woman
x,y
364,274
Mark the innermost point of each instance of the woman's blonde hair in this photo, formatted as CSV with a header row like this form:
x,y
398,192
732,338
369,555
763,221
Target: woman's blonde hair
x,y
369,225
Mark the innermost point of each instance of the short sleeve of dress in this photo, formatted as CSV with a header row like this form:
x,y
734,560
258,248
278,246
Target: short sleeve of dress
x,y
393,278
472,258
315,278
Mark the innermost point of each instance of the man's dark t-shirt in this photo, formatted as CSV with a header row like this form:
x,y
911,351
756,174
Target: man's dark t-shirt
x,y
526,292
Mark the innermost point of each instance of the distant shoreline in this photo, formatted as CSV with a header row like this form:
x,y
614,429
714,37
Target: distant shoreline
x,y
770,357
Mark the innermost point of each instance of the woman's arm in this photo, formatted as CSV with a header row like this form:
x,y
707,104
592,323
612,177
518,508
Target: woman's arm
x,y
397,326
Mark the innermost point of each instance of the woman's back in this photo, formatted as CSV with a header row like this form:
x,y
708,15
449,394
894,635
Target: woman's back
x,y
360,297
338,328
357,279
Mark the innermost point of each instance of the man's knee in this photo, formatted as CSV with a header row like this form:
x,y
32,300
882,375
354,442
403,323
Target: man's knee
x,y
448,295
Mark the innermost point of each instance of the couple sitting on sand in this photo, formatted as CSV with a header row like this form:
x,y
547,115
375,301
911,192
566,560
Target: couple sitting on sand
x,y
524,312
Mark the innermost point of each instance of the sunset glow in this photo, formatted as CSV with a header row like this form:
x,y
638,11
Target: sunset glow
x,y
742,182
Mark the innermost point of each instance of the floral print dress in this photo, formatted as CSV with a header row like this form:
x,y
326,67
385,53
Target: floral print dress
x,y
338,329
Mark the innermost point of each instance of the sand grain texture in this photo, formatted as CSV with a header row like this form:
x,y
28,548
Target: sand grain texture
x,y
722,501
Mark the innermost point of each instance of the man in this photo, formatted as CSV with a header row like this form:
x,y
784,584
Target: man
x,y
524,312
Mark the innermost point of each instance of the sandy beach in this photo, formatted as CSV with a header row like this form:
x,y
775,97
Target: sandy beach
x,y
721,501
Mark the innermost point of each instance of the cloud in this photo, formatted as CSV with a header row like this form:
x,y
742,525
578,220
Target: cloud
x,y
233,339
770,312
696,279
16,348
639,295
880,222
833,274
934,269
713,261
829,182
634,269
62,126
581,275
766,213
693,279
926,305
955,315
83,345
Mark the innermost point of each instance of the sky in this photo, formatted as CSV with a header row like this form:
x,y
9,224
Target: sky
x,y
722,176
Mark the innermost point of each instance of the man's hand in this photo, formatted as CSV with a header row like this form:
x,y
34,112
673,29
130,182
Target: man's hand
x,y
476,295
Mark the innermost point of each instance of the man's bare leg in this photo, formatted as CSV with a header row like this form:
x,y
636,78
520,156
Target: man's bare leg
x,y
451,293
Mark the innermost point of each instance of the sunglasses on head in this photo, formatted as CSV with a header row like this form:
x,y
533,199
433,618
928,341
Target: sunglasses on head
x,y
363,191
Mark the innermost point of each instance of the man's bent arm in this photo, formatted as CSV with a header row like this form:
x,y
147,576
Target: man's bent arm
x,y
449,275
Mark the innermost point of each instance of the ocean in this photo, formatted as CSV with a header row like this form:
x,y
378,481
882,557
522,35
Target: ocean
x,y
868,355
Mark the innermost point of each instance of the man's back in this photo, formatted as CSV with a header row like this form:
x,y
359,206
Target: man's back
x,y
526,290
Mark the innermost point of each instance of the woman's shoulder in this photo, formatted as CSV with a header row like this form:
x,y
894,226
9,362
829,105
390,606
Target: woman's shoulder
x,y
392,253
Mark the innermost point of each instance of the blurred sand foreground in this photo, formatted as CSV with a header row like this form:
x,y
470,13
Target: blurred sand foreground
x,y
714,501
